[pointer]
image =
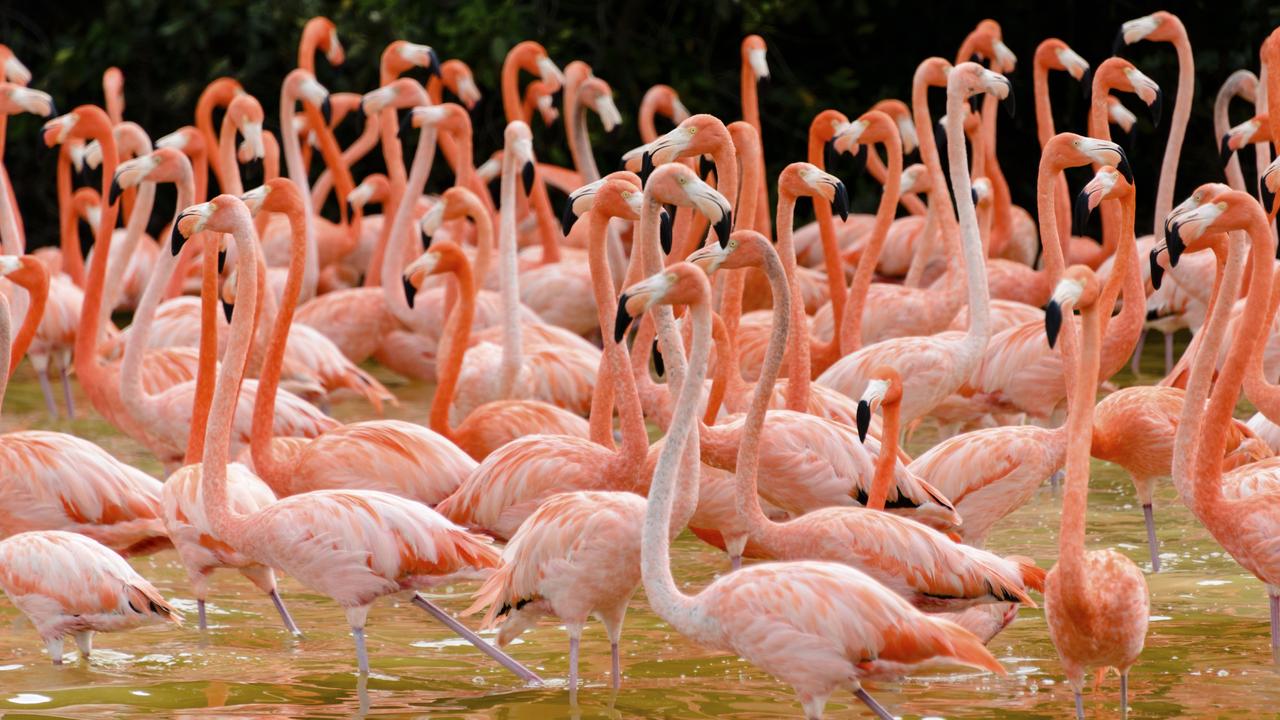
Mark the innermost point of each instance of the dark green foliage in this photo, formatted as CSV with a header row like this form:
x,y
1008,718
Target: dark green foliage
x,y
845,55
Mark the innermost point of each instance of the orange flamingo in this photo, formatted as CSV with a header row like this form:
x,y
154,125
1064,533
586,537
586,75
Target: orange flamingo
x,y
1096,603
763,613
375,544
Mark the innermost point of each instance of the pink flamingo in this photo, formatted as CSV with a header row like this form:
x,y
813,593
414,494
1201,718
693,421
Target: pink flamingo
x,y
57,481
764,613
414,462
1096,603
356,546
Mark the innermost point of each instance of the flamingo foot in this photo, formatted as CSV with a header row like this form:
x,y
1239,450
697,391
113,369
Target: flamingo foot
x,y
362,654
66,395
55,650
47,390
284,614
871,703
204,621
501,657
1154,544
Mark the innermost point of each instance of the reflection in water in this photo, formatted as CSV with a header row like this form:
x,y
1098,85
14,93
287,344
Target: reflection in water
x,y
1207,652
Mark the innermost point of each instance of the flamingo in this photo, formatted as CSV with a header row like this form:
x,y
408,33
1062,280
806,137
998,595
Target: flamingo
x,y
860,629
353,546
1096,603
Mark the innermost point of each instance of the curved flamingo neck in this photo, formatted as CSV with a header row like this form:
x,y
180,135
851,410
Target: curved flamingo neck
x,y
1217,416
218,94
798,374
1178,126
655,550
226,522
269,467
395,233
1044,108
207,363
511,102
298,173
72,258
1121,332
135,397
746,498
635,440
87,364
36,283
509,276
746,143
887,459
10,236
458,330
1264,395
971,244
1083,360
816,155
1047,183
850,332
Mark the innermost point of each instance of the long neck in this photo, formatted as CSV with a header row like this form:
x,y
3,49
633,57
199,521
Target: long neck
x,y
298,173
1047,184
458,332
1264,395
746,500
229,177
635,440
1044,110
886,461
265,462
86,351
6,342
1222,123
1217,417
799,371
1121,332
851,332
354,152
396,233
929,153
208,359
118,266
1177,129
1203,366
1084,359
744,219
72,259
132,393
827,231
508,274
659,586
971,243
511,102
223,517
575,116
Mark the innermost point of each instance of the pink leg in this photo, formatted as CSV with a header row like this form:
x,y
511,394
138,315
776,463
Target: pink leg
x,y
574,642
465,633
1124,695
871,703
735,562
1135,365
1149,515
66,394
362,655
284,614
1168,353
1079,706
47,390
616,665
204,621
1275,624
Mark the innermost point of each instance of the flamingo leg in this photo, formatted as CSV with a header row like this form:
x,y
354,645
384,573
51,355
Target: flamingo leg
x,y
735,562
1275,624
84,641
47,390
575,639
1079,706
501,657
1124,695
1168,352
615,664
204,620
55,649
1135,364
1148,514
871,703
284,614
66,393
1055,480
362,654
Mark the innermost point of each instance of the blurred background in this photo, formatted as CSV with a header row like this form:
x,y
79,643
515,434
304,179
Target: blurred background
x,y
843,54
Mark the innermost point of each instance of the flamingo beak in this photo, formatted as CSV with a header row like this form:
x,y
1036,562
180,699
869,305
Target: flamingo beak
x,y
706,166
222,260
723,227
227,309
1052,321
659,365
568,217
410,292
326,111
527,177
435,63
829,154
840,205
114,193
665,231
1225,152
623,319
864,419
1080,215
1157,271
1157,108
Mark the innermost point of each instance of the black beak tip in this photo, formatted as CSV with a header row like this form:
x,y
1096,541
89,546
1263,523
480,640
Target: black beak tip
x,y
176,238
622,321
665,231
567,217
1157,272
1081,214
706,166
1173,241
659,365
723,227
646,166
222,260
841,205
864,419
526,177
1157,108
113,194
1052,322
326,111
1125,170
228,309
1225,151
435,63
410,292
975,103
828,154
1268,197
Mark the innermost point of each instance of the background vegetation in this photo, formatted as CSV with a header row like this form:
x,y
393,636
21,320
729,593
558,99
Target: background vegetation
x,y
845,54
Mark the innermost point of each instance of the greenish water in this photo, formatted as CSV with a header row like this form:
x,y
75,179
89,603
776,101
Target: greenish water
x,y
1207,651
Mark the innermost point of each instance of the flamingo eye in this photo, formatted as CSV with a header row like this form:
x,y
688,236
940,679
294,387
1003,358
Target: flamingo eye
x,y
693,130
682,181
